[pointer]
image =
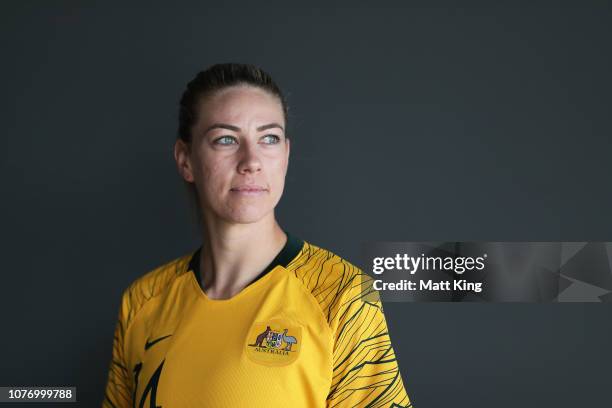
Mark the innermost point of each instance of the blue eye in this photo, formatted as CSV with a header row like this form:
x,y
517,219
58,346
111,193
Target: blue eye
x,y
271,139
226,140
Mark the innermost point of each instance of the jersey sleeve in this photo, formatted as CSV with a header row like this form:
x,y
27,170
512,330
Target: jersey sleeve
x,y
365,369
118,393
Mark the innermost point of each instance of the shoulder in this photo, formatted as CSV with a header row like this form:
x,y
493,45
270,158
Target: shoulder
x,y
152,284
317,262
333,281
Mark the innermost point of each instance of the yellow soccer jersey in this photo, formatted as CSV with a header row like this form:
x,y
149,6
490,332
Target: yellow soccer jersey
x,y
299,335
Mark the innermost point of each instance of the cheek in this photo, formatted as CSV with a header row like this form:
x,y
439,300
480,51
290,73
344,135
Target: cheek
x,y
279,171
214,177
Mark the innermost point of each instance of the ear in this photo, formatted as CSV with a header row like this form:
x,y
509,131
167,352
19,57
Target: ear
x,y
183,160
288,142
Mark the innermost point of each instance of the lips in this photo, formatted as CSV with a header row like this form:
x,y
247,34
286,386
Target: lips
x,y
248,188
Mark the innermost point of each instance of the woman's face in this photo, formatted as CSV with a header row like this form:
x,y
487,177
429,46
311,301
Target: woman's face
x,y
239,154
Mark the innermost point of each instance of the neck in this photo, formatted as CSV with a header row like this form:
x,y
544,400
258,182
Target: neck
x,y
234,254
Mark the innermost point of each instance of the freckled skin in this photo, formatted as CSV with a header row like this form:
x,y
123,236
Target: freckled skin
x,y
215,168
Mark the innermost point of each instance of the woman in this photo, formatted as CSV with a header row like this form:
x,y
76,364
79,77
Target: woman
x,y
254,317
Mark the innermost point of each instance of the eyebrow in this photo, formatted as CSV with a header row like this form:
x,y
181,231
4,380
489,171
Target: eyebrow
x,y
237,129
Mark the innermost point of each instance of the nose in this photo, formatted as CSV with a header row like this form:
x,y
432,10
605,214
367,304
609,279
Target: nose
x,y
249,159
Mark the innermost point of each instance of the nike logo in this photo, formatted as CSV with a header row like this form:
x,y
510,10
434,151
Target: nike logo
x,y
148,343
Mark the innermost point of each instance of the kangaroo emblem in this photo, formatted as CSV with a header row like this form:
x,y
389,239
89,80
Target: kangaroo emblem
x,y
261,337
290,340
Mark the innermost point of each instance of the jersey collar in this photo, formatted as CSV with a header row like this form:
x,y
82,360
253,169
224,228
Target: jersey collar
x,y
292,248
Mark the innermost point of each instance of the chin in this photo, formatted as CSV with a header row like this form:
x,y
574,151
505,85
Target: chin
x,y
247,214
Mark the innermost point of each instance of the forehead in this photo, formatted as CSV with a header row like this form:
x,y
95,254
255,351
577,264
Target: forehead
x,y
240,104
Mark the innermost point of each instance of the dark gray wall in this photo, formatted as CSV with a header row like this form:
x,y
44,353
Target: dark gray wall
x,y
422,122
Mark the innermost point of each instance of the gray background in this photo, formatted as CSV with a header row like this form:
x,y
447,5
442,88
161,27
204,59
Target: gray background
x,y
421,122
